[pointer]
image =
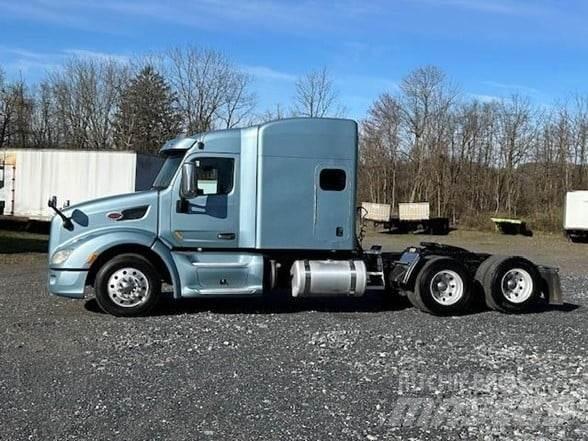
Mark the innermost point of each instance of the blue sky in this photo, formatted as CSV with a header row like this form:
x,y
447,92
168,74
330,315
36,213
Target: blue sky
x,y
492,48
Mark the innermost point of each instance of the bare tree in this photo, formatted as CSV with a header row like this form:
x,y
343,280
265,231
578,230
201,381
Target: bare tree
x,y
240,102
381,148
516,135
277,112
316,96
44,118
6,110
86,94
426,100
16,106
211,91
580,140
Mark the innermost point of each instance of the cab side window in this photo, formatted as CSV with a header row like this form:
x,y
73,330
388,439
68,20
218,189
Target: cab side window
x,y
332,179
215,175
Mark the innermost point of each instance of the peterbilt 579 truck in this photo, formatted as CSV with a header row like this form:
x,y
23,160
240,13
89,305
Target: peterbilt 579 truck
x,y
245,212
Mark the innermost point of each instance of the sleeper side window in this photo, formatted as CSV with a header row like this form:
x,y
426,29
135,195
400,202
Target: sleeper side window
x,y
333,179
215,175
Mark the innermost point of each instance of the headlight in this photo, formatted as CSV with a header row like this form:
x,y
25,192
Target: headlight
x,y
60,257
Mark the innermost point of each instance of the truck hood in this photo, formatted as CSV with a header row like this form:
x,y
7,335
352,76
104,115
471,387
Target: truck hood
x,y
134,211
109,201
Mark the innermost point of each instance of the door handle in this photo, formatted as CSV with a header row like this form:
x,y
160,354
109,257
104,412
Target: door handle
x,y
225,236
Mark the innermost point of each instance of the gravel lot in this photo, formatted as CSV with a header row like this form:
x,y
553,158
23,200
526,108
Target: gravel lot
x,y
351,369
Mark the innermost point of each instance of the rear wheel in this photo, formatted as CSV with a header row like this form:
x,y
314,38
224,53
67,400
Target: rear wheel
x,y
442,287
128,285
510,284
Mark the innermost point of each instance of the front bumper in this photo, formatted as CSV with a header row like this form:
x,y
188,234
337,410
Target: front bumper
x,y
67,283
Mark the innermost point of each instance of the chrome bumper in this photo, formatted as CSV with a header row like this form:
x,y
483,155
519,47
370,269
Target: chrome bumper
x,y
551,285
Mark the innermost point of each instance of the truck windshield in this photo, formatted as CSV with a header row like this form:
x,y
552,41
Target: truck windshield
x,y
168,170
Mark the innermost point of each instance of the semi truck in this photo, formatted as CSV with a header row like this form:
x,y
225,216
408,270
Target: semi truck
x,y
410,217
28,177
253,211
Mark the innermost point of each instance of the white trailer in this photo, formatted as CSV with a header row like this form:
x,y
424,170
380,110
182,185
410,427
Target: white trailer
x,y
29,177
576,215
411,216
414,211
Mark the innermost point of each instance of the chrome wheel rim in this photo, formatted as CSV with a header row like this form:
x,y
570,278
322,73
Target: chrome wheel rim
x,y
447,287
128,287
517,285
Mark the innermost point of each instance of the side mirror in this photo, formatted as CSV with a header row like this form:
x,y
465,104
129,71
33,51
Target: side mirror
x,y
189,185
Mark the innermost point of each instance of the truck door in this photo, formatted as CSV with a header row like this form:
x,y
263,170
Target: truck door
x,y
333,204
210,220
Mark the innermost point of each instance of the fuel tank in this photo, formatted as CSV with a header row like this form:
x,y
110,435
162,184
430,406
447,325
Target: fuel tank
x,y
328,278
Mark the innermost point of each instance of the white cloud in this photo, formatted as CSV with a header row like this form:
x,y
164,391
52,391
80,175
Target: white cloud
x,y
84,53
502,7
267,73
297,17
485,98
512,87
61,12
25,61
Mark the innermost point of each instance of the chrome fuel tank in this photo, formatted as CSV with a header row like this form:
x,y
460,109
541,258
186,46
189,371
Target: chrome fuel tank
x,y
326,278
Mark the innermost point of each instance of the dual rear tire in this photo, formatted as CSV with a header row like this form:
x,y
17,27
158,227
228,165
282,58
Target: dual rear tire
x,y
444,286
509,284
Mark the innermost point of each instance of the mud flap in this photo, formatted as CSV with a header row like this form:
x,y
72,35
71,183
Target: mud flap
x,y
552,285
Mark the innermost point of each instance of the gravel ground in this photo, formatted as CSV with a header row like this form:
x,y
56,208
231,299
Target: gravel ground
x,y
231,370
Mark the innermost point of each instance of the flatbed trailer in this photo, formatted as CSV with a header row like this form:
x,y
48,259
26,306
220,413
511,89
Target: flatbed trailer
x,y
239,213
437,226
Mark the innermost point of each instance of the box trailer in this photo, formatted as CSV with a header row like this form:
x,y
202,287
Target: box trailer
x,y
28,177
411,216
576,215
247,212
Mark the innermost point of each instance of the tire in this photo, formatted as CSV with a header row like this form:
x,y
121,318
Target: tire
x,y
479,280
511,284
142,290
575,238
443,287
415,301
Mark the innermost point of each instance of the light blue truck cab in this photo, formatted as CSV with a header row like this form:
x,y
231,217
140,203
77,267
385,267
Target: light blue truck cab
x,y
241,212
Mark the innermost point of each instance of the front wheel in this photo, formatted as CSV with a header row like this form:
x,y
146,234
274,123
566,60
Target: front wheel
x,y
128,285
442,287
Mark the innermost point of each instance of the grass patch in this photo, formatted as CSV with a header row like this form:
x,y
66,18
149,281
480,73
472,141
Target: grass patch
x,y
16,242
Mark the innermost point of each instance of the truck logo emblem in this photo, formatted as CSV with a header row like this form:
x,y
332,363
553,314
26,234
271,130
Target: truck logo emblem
x,y
115,215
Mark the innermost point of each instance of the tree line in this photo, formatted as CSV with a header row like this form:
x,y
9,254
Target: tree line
x,y
469,158
101,103
425,141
